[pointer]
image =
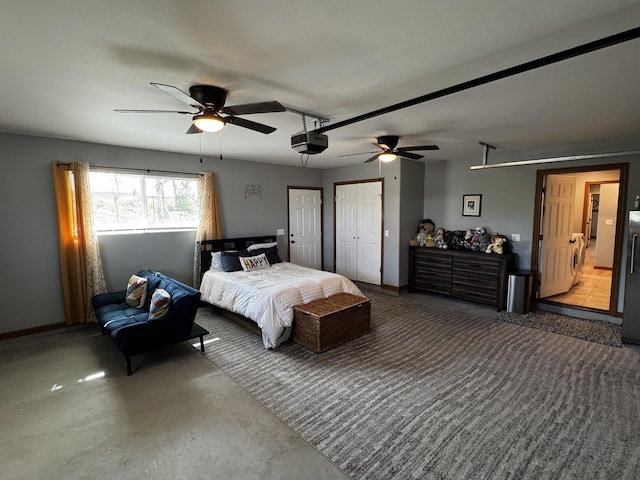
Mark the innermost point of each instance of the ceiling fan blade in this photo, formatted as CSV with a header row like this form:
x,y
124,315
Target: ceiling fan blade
x,y
412,156
179,94
153,111
352,154
243,122
383,146
259,107
420,147
375,157
193,129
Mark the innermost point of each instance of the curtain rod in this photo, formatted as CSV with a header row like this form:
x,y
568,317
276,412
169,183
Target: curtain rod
x,y
147,170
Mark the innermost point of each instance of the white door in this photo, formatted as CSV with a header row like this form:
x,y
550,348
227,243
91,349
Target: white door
x,y
369,232
557,225
358,231
305,227
346,230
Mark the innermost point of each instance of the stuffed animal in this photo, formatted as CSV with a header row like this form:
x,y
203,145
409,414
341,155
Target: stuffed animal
x,y
466,242
448,234
456,241
476,236
480,239
424,237
497,244
485,241
439,238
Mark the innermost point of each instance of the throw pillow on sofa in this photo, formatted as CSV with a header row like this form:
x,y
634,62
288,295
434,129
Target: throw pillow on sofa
x,y
160,302
136,291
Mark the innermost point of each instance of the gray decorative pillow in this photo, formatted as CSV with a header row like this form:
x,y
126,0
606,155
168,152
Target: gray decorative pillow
x,y
231,260
216,262
271,253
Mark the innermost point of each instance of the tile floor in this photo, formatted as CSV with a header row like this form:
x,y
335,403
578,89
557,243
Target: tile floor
x,y
594,289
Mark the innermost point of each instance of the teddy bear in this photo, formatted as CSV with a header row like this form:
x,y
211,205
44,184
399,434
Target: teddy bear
x,y
497,244
424,237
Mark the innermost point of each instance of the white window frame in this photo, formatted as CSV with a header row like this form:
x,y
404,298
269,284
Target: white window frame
x,y
143,226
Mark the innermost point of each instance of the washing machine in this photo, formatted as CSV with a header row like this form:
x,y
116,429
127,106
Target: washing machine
x,y
578,253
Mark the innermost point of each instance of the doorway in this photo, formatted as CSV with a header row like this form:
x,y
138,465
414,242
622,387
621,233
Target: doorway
x,y
305,226
585,267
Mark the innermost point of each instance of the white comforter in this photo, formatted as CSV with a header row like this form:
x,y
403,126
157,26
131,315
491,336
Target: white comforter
x,y
267,296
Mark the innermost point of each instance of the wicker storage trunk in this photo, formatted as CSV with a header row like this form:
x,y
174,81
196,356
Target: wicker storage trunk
x,y
328,322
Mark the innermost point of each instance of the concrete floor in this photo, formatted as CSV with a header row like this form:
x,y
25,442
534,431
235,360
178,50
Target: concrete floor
x,y
69,411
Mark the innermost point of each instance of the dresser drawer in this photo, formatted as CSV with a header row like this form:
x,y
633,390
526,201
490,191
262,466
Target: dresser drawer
x,y
479,266
478,289
473,276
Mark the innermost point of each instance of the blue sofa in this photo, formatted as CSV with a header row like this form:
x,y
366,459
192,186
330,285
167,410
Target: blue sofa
x,y
134,332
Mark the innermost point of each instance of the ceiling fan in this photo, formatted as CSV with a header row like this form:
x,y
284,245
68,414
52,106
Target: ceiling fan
x,y
389,153
209,101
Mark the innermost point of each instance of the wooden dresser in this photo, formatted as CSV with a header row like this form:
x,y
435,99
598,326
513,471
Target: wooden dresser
x,y
476,276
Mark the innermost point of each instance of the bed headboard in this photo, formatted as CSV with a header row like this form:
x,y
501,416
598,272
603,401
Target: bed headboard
x,y
208,246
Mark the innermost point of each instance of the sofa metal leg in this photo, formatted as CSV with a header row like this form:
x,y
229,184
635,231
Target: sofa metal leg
x,y
129,371
202,343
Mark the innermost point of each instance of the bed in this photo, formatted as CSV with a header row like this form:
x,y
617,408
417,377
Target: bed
x,y
264,296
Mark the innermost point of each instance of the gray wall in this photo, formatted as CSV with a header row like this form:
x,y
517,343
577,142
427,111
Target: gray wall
x,y
403,191
29,244
508,198
411,212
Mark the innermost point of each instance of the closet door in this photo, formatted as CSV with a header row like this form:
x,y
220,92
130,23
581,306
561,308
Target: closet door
x,y
346,230
369,235
359,231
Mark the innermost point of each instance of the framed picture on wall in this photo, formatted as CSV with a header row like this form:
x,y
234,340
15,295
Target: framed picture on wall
x,y
471,205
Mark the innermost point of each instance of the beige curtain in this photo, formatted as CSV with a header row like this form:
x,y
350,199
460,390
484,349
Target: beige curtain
x,y
209,226
80,264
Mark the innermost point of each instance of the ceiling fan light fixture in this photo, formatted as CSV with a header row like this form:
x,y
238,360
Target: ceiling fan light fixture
x,y
209,122
387,157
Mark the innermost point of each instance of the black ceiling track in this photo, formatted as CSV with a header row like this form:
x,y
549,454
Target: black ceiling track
x,y
612,40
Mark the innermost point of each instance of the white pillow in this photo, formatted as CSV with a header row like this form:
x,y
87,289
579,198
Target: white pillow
x,y
136,291
254,263
256,246
160,302
216,262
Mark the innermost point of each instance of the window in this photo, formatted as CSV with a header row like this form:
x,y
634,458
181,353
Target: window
x,y
134,202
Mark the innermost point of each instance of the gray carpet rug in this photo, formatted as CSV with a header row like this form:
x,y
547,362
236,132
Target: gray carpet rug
x,y
591,330
434,393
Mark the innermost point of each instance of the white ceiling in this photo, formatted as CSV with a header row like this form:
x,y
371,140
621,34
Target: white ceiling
x,y
67,64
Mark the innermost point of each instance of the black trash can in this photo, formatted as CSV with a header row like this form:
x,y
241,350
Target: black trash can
x,y
519,292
